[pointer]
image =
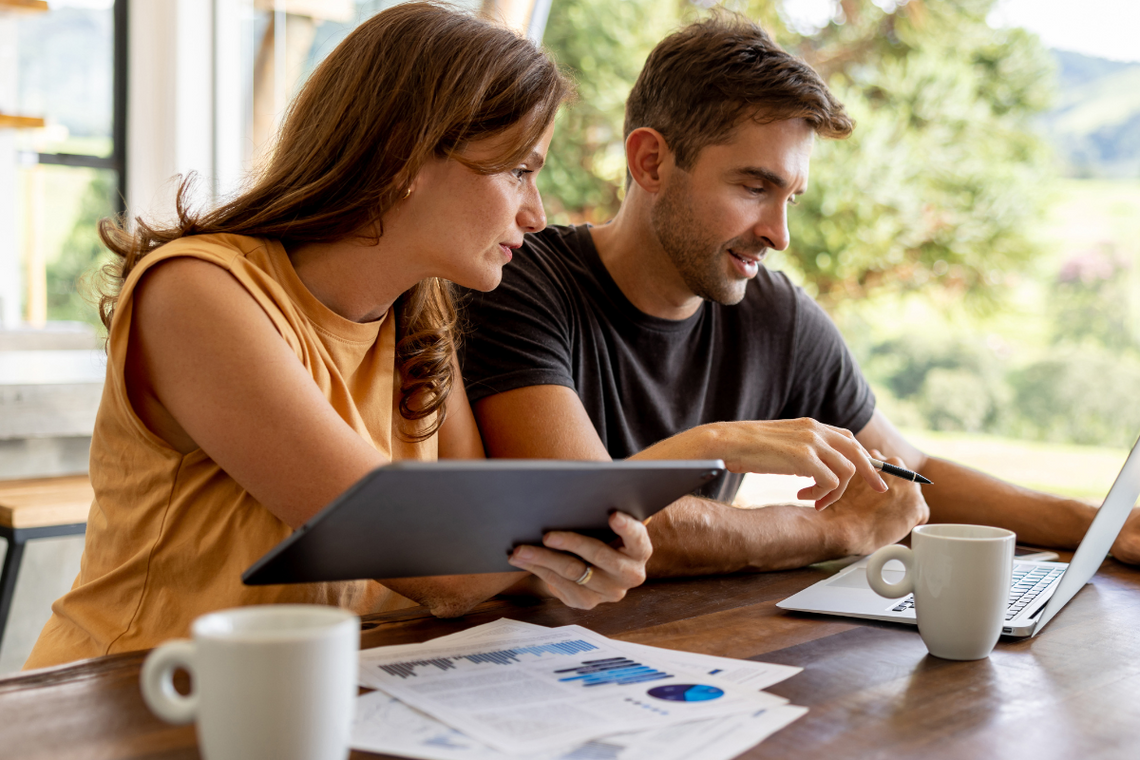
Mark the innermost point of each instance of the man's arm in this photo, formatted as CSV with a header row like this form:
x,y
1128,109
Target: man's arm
x,y
697,536
964,495
701,537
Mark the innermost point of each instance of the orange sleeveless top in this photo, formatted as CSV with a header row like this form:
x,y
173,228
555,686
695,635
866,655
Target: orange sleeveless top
x,y
169,535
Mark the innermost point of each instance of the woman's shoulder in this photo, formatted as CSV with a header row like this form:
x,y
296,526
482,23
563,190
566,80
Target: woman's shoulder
x,y
228,255
208,273
222,249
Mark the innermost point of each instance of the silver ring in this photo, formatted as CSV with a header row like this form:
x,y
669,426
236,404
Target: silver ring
x,y
587,574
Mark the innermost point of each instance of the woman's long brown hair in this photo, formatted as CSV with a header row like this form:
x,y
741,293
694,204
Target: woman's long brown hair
x,y
415,81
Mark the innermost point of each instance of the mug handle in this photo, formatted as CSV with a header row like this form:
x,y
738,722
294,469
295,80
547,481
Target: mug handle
x,y
157,682
875,571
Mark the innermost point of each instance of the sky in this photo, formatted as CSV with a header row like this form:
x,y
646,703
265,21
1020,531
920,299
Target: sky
x,y
1102,29
1099,28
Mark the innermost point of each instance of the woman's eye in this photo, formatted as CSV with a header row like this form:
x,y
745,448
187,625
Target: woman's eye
x,y
521,172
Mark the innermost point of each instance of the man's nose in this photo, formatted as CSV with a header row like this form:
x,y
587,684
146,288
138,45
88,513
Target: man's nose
x,y
772,228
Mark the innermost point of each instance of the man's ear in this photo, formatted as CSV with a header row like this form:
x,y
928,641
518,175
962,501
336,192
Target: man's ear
x,y
645,153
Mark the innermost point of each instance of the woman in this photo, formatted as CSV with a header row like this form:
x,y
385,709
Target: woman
x,y
264,356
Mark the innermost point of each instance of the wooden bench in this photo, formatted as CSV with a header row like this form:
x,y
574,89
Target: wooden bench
x,y
38,508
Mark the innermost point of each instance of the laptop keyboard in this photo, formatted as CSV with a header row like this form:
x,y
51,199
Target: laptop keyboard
x,y
1028,583
1029,580
906,604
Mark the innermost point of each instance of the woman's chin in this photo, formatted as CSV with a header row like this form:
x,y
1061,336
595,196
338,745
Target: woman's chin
x,y
484,282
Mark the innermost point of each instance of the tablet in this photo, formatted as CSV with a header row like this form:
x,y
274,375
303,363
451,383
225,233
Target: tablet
x,y
452,517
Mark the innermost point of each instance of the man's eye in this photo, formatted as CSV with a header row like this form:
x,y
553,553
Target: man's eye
x,y
793,201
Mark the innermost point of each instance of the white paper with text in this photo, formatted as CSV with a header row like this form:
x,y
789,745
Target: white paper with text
x,y
545,689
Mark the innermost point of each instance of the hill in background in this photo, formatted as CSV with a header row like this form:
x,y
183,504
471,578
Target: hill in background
x,y
1094,125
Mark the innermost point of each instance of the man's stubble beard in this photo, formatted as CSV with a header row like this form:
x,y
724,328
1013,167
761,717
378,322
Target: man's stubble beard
x,y
695,254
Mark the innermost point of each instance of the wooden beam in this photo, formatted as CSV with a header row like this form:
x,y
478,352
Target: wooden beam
x,y
8,121
23,5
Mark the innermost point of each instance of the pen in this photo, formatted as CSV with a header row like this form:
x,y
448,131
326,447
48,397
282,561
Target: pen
x,y
899,472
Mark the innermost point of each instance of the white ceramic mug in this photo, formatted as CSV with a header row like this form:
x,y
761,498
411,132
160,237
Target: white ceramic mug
x,y
268,681
960,576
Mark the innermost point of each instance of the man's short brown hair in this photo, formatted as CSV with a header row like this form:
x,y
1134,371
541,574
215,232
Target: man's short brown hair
x,y
701,81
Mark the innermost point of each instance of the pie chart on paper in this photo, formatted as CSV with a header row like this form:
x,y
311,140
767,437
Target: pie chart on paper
x,y
686,692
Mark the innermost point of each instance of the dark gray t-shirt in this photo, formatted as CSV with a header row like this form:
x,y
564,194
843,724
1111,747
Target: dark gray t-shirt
x,y
558,318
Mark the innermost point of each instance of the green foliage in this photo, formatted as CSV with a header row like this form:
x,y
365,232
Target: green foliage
x,y
602,45
1080,396
68,278
954,399
904,363
938,186
1076,394
942,384
1091,300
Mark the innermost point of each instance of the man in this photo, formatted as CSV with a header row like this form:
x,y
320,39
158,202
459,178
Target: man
x,y
662,335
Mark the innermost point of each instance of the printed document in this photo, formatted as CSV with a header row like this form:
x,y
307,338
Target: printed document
x,y
386,725
755,675
526,689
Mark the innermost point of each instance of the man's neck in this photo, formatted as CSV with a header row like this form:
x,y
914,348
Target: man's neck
x,y
633,256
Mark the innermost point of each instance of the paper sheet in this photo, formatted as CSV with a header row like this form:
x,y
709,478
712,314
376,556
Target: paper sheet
x,y
756,675
545,689
511,687
388,726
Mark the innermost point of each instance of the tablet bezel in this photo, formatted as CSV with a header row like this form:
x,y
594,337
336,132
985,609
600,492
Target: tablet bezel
x,y
456,517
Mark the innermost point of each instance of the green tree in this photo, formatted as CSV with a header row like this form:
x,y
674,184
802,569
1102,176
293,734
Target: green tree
x,y
602,45
69,277
938,186
1091,300
1080,395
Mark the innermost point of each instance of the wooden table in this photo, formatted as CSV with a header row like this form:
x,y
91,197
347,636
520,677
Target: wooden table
x,y
1072,692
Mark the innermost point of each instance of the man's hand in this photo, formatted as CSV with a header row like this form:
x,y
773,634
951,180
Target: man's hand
x,y
828,455
1126,547
867,520
609,571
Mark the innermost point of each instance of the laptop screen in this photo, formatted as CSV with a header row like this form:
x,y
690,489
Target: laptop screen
x,y
1098,540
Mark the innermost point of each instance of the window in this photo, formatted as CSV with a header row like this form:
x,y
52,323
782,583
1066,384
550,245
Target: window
x,y
62,177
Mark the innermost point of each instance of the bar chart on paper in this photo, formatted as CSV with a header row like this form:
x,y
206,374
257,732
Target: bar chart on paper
x,y
619,670
407,669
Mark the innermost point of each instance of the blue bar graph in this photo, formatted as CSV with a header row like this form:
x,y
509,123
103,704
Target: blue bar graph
x,y
619,670
498,657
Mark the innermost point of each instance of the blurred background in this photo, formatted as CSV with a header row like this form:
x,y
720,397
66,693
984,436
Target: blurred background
x,y
977,239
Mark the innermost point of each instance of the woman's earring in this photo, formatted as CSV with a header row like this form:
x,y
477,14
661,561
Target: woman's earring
x,y
407,194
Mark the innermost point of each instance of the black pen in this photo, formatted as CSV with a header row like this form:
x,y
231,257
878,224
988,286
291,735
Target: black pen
x,y
899,472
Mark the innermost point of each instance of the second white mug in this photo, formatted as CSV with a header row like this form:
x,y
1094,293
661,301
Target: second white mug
x,y
960,578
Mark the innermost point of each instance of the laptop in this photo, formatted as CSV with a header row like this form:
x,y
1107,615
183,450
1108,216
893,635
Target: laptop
x,y
452,517
1039,589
